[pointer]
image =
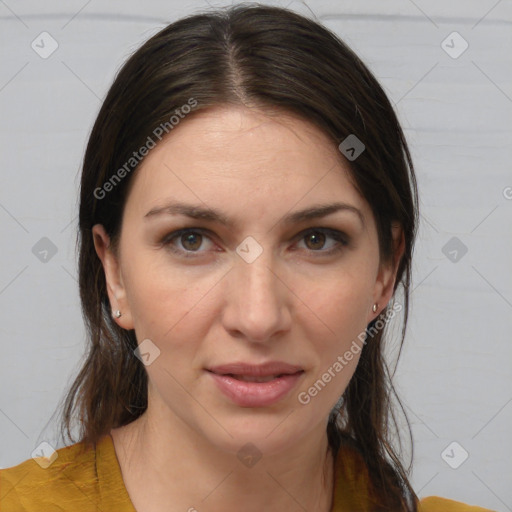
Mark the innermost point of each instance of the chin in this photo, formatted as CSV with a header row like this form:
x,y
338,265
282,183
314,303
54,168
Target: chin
x,y
256,431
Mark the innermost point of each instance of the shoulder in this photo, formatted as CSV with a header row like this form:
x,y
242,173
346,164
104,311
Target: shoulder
x,y
70,475
33,482
436,504
351,473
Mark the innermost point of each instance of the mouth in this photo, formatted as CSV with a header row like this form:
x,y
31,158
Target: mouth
x,y
256,385
252,378
270,369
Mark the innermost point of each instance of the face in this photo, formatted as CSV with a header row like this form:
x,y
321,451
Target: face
x,y
252,306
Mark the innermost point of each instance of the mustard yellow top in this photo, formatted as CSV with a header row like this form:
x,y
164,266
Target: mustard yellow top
x,y
87,481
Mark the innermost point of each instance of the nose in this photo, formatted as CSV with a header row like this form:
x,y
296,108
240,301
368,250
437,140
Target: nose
x,y
257,303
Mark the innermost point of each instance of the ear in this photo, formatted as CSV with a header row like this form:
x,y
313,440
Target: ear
x,y
115,286
385,282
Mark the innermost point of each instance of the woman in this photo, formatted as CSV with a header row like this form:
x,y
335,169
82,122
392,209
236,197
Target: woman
x,y
247,216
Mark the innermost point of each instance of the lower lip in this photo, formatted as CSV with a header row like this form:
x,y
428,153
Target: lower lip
x,y
256,394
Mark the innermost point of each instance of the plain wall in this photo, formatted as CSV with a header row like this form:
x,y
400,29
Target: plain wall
x,y
454,375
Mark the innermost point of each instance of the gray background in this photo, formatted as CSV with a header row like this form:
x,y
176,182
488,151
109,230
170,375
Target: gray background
x,y
454,375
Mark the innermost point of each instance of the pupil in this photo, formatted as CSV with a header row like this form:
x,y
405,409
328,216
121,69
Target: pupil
x,y
314,236
189,238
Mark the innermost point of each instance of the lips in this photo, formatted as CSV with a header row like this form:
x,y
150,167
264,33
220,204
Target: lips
x,y
251,378
271,369
256,385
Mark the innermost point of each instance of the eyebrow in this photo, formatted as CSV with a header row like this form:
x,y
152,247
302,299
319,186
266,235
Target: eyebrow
x,y
212,215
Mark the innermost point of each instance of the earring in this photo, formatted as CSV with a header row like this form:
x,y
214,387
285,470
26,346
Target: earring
x,y
374,308
116,313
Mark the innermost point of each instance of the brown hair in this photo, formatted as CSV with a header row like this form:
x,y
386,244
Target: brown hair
x,y
261,57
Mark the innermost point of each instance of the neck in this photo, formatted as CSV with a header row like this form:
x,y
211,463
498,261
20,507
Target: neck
x,y
173,468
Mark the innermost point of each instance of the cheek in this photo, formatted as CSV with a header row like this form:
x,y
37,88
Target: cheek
x,y
161,296
336,335
341,304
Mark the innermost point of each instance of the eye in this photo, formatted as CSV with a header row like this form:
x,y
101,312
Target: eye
x,y
315,239
190,240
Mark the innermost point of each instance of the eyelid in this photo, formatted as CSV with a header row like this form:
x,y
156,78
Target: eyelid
x,y
332,232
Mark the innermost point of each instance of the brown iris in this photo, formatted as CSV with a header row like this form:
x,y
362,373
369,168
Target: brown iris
x,y
314,236
189,238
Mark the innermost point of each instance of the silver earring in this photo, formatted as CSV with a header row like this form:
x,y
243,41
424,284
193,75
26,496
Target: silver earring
x,y
374,308
117,313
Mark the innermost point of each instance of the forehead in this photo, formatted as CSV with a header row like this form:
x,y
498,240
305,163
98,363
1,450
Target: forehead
x,y
238,155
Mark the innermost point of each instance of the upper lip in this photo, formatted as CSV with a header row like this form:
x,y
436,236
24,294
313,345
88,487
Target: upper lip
x,y
256,370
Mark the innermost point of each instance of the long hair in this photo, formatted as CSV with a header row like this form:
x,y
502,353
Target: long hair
x,y
260,57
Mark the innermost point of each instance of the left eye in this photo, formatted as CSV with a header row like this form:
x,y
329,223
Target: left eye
x,y
191,240
319,235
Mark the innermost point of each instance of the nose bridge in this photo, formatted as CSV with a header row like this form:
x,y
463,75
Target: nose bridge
x,y
258,279
257,299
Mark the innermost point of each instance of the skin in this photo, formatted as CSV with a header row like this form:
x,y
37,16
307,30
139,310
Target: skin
x,y
293,303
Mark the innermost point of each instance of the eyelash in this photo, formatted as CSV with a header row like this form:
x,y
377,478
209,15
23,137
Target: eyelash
x,y
338,236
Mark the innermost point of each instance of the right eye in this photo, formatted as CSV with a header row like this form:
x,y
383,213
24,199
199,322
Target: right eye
x,y
190,240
